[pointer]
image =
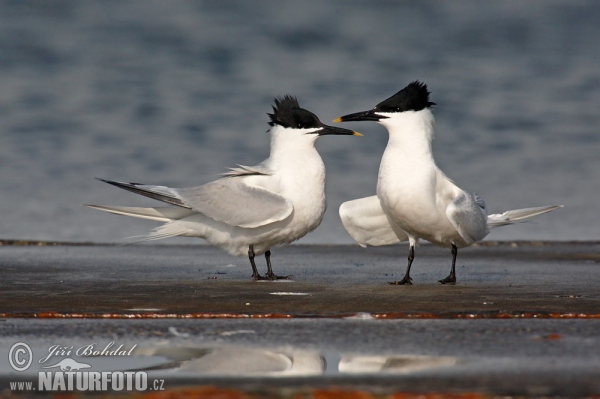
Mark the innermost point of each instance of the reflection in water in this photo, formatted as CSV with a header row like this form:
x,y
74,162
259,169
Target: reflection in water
x,y
392,364
232,361
102,102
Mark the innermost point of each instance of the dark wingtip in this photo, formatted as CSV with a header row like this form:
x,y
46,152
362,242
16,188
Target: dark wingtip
x,y
118,183
133,187
112,182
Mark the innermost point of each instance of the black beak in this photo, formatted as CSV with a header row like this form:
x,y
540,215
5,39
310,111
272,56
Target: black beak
x,y
336,130
360,116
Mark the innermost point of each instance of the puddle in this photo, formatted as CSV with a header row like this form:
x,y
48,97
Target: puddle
x,y
231,361
174,332
402,364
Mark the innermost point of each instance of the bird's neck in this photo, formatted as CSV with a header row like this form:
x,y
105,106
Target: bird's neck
x,y
410,134
408,173
299,172
408,152
293,149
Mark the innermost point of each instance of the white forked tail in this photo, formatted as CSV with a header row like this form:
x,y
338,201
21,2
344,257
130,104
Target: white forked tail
x,y
160,214
171,215
510,217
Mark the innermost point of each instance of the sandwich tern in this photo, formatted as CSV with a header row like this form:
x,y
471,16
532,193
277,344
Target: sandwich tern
x,y
250,208
415,200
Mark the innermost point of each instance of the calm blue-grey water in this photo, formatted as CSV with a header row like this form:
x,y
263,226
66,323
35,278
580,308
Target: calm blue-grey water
x,y
175,92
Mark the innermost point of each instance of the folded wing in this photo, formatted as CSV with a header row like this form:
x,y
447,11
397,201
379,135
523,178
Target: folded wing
x,y
229,200
468,215
232,201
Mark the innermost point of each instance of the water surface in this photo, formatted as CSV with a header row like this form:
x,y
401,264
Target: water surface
x,y
175,92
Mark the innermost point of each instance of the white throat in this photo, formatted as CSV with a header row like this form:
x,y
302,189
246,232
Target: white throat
x,y
298,174
289,145
410,131
407,165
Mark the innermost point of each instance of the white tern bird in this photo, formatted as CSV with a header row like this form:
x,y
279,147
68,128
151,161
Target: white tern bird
x,y
415,200
250,208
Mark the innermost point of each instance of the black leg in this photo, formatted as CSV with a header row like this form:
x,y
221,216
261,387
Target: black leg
x,y
407,280
451,279
270,274
255,274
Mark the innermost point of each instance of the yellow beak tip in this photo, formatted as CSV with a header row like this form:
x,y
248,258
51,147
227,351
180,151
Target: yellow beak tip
x,y
336,120
357,134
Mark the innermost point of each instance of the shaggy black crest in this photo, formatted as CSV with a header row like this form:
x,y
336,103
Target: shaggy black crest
x,y
413,97
287,113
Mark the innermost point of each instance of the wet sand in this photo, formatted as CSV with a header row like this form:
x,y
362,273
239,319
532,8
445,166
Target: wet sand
x,y
498,279
522,319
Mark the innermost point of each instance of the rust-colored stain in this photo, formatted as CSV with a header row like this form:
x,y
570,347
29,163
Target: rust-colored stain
x,y
466,395
198,392
340,394
552,336
382,316
209,392
65,395
549,337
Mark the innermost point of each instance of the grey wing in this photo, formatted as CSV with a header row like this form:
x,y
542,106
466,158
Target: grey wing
x,y
468,215
227,200
232,201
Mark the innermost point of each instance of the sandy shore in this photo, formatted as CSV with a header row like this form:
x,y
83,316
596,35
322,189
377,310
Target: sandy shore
x,y
523,318
493,280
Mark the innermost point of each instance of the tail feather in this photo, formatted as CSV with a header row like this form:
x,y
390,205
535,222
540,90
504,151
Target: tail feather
x,y
510,217
160,214
168,214
168,230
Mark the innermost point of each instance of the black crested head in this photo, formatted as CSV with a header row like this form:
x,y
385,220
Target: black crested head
x,y
287,113
413,97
